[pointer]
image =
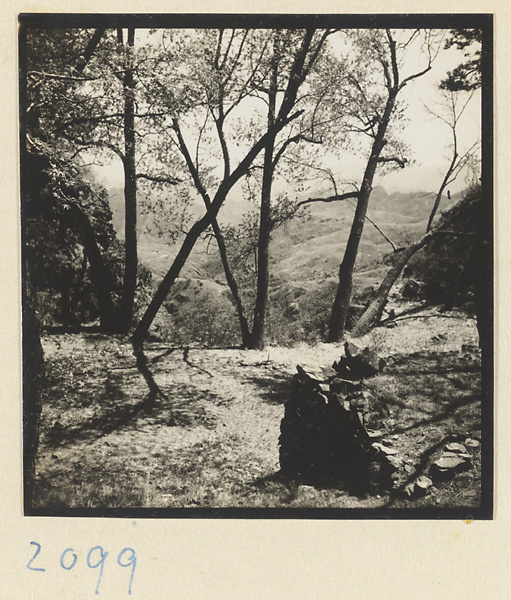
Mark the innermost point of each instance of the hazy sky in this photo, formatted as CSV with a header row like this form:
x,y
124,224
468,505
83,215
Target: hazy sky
x,y
428,136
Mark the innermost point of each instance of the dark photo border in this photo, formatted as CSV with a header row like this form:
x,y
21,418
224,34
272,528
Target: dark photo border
x,y
485,22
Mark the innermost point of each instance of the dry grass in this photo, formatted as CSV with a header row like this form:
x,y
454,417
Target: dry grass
x,y
211,440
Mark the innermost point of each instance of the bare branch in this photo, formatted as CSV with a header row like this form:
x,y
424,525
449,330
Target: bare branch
x,y
400,161
293,140
336,198
33,74
158,178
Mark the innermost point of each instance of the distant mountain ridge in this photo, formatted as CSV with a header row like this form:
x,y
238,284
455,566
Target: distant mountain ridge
x,y
305,253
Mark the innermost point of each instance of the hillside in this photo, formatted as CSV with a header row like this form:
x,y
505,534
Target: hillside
x,y
305,257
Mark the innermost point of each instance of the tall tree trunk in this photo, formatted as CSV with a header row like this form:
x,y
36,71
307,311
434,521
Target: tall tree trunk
x,y
130,190
344,289
374,311
263,245
263,253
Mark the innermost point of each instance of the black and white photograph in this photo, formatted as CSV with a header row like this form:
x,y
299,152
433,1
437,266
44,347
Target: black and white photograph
x,y
257,265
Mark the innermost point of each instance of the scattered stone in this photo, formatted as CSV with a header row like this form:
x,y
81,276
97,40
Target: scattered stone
x,y
472,443
449,464
424,482
344,386
409,489
374,435
455,447
385,449
328,373
418,488
395,461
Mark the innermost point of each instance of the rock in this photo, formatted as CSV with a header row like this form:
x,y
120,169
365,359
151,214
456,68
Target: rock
x,y
359,364
360,403
448,465
351,350
328,373
418,488
449,462
374,435
395,462
409,489
385,449
471,443
344,386
424,482
455,447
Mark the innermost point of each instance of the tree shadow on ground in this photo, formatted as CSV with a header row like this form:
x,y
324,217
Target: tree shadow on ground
x,y
451,409
420,469
115,410
274,389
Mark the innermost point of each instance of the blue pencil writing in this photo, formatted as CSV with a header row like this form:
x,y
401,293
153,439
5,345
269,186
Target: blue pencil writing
x,y
29,564
132,561
100,563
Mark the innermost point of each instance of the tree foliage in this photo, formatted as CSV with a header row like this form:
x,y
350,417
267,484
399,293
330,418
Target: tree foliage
x,y
467,75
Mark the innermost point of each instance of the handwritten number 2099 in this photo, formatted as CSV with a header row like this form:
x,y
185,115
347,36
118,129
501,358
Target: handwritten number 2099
x,y
96,558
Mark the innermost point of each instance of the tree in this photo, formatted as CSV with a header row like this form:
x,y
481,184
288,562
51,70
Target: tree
x,y
459,161
373,116
273,153
230,176
467,75
50,174
214,93
452,108
62,215
455,108
101,114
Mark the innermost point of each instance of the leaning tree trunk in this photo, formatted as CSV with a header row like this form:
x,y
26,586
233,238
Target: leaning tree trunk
x,y
374,311
172,274
345,287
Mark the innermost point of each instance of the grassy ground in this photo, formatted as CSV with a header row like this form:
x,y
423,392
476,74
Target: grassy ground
x,y
211,438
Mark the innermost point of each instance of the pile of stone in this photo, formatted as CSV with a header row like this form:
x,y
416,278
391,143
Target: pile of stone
x,y
455,459
323,438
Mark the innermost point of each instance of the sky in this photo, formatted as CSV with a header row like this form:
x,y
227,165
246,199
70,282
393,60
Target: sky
x,y
428,136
